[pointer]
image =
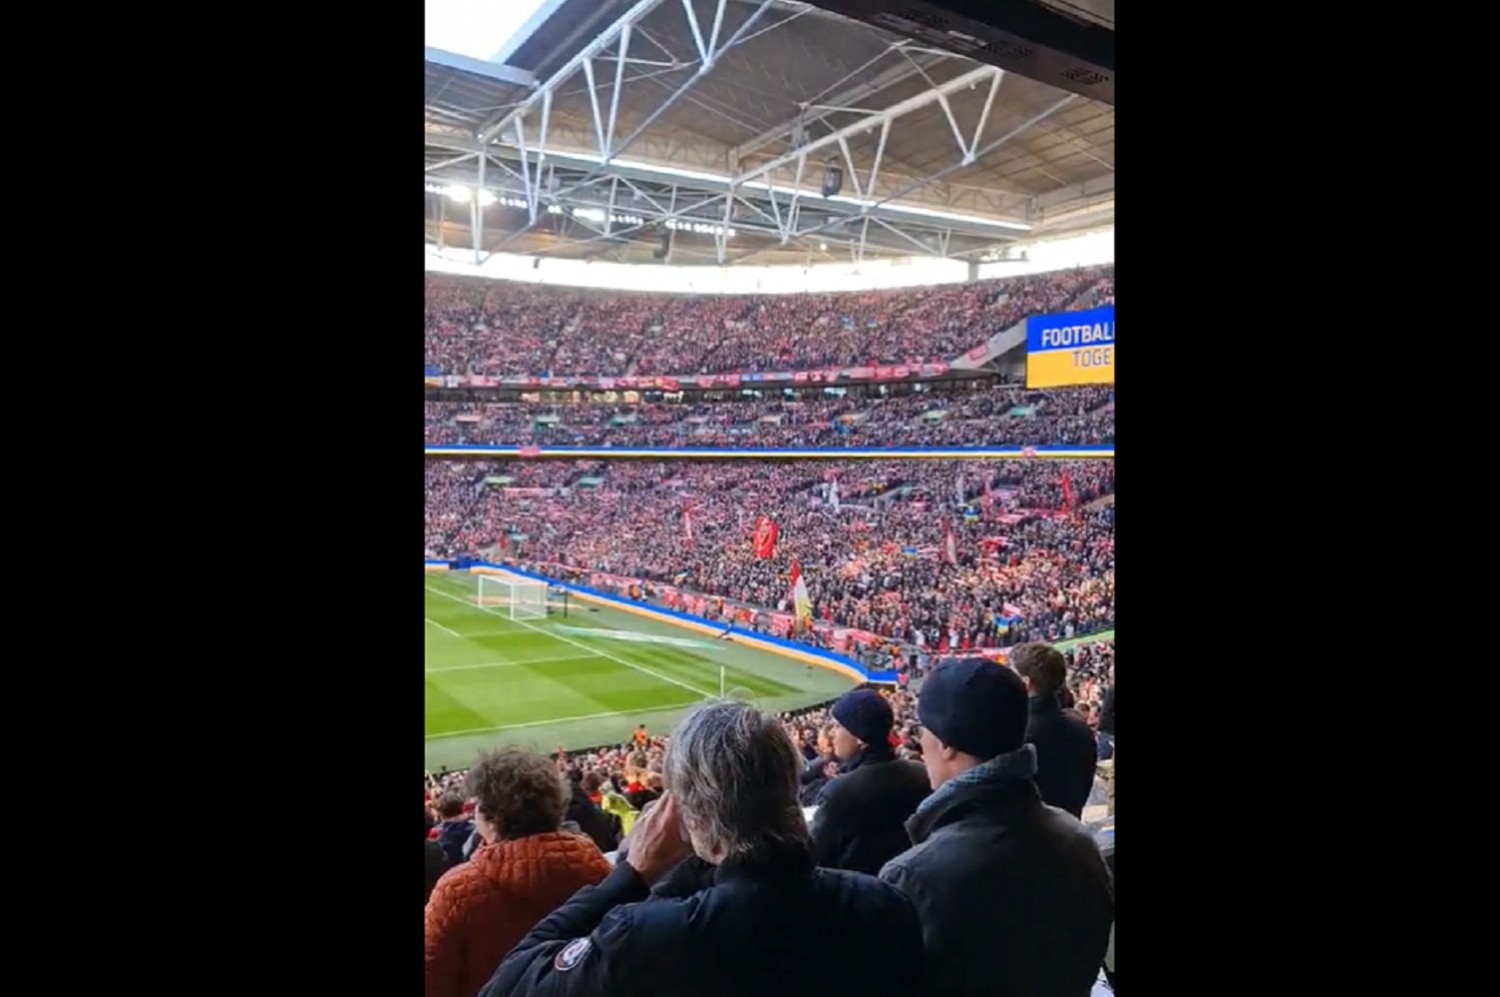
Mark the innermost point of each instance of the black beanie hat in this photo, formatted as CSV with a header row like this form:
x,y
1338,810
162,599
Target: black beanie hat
x,y
865,714
975,706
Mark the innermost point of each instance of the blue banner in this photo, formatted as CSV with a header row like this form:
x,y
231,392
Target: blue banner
x,y
1071,330
1071,349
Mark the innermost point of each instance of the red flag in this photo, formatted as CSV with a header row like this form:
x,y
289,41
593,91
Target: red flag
x,y
950,547
687,525
1067,490
763,543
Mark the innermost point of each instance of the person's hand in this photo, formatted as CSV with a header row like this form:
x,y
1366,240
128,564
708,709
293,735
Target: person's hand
x,y
658,841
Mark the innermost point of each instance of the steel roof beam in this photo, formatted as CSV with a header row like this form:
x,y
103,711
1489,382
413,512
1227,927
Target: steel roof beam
x,y
601,42
988,148
843,99
621,222
479,67
1047,45
983,74
1076,192
608,150
777,204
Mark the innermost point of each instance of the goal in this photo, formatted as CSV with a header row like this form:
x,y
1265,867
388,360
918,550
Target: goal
x,y
521,598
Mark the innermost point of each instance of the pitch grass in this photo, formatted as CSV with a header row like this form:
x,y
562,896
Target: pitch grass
x,y
583,680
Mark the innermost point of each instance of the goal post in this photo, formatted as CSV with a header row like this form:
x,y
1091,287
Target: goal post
x,y
518,598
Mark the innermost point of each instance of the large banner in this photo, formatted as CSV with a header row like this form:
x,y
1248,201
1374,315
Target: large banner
x,y
1073,348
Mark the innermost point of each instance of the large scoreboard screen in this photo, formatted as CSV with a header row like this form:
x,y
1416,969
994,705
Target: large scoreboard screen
x,y
1072,348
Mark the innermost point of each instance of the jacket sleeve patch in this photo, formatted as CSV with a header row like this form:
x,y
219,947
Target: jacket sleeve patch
x,y
571,955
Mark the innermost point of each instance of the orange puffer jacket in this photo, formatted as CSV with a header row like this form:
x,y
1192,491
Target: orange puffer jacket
x,y
479,910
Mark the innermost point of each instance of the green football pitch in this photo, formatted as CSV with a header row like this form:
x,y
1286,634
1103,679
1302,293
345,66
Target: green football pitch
x,y
582,679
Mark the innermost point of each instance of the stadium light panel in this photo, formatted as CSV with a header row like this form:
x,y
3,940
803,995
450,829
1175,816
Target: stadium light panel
x,y
476,28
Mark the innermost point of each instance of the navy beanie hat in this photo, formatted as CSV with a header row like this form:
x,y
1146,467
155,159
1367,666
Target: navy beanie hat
x,y
865,714
975,706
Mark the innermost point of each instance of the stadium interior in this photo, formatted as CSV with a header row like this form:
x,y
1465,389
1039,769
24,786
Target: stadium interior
x,y
768,359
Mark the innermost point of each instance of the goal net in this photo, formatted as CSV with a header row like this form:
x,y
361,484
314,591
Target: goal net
x,y
519,598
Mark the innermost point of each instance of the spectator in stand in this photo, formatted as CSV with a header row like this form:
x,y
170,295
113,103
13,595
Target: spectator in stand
x,y
647,791
500,328
1106,728
1066,753
455,828
806,740
1013,895
941,416
873,565
822,767
731,777
585,813
862,810
591,785
436,865
815,776
525,868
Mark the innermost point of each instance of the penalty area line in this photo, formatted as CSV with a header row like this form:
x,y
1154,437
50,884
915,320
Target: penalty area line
x,y
446,630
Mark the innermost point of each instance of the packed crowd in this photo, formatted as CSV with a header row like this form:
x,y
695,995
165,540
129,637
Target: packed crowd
x,y
1005,415
497,329
876,773
924,837
1032,551
626,769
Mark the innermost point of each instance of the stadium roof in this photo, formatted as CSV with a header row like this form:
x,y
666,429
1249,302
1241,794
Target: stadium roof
x,y
604,124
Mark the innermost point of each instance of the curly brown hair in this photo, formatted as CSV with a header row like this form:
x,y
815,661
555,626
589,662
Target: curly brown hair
x,y
518,792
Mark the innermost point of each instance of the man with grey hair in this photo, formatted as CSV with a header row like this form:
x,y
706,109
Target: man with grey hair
x,y
731,775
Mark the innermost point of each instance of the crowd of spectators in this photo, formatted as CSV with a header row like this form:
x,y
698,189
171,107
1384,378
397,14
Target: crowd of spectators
x,y
632,769
499,329
950,557
611,784
515,841
1004,415
871,538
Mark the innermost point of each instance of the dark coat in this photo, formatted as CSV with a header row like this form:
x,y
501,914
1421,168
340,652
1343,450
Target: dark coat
x,y
736,938
1066,754
686,878
451,837
860,823
591,820
1013,895
813,780
1107,712
437,864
